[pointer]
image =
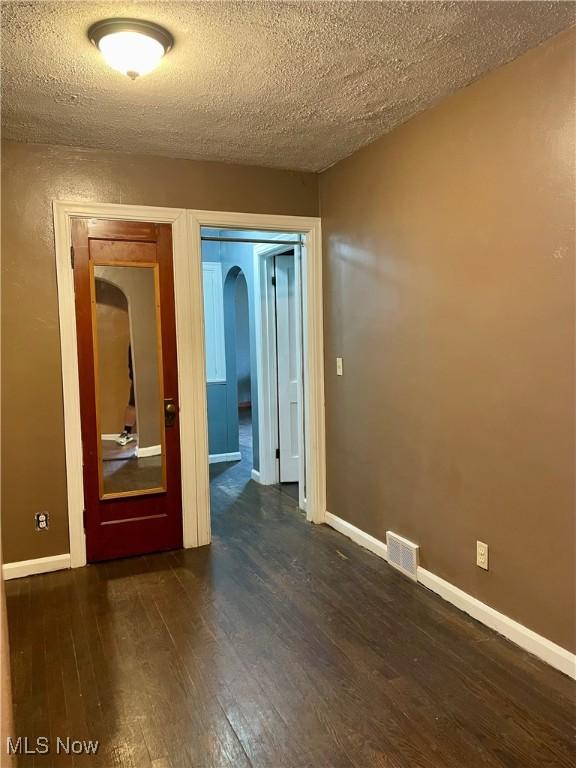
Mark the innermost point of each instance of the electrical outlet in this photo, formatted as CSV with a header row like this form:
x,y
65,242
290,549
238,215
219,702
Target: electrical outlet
x,y
338,366
482,555
41,521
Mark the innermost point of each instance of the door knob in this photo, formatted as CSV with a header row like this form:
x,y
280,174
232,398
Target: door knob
x,y
170,411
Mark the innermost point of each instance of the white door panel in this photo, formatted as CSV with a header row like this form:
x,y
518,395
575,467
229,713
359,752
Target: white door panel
x,y
289,352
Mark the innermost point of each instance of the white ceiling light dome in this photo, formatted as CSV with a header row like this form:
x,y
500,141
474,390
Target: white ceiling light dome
x,y
131,46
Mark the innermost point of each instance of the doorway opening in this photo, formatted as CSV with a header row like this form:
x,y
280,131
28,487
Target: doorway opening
x,y
254,361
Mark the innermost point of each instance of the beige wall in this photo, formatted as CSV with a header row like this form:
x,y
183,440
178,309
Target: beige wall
x,y
33,467
449,292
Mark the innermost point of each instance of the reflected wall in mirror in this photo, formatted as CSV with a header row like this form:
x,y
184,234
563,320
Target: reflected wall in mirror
x,y
128,370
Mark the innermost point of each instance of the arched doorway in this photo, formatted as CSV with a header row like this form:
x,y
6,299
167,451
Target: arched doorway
x,y
243,371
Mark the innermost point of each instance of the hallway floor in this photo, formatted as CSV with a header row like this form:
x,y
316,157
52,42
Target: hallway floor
x,y
229,479
281,645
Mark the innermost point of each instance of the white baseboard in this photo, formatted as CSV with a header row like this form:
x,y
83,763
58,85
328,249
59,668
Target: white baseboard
x,y
32,567
216,458
364,539
260,478
530,641
150,450
552,654
110,436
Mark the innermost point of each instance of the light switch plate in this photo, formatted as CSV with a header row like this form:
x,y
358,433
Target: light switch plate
x,y
338,366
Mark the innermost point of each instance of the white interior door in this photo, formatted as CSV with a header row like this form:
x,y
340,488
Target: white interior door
x,y
288,355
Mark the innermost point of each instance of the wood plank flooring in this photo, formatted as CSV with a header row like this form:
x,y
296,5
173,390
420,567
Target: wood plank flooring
x,y
283,645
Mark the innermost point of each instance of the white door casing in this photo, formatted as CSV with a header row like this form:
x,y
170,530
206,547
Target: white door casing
x,y
312,354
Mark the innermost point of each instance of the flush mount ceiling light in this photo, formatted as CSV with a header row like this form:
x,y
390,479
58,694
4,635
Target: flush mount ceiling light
x,y
131,46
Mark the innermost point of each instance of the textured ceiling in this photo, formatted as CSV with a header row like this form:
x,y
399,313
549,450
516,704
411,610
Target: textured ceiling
x,y
289,84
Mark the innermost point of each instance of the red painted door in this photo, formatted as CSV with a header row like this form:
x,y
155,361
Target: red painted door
x,y
127,363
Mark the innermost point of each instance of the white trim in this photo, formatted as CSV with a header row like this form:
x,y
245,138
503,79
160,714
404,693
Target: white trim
x,y
23,568
257,477
185,312
110,437
186,316
70,383
197,377
314,423
257,221
149,450
530,641
217,458
313,353
359,537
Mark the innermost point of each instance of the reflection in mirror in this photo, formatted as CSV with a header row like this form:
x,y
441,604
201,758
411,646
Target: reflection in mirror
x,y
128,380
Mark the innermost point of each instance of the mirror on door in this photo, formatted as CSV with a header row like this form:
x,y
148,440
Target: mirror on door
x,y
128,366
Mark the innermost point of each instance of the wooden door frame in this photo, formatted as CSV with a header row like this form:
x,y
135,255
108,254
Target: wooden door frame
x,y
188,300
313,345
187,315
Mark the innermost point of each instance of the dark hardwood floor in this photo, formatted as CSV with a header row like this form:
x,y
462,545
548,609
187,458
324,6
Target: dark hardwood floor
x,y
231,478
282,644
